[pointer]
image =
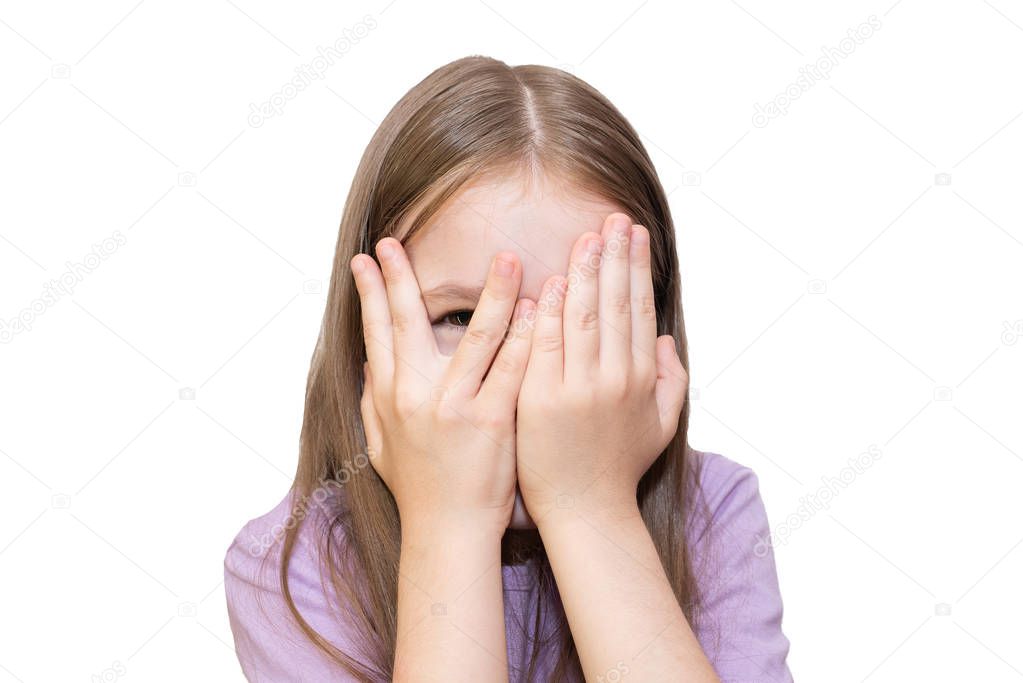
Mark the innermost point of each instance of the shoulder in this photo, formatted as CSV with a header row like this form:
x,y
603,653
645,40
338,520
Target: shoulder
x,y
262,535
254,554
254,539
740,621
727,496
269,642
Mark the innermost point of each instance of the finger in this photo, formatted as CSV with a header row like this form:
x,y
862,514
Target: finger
x,y
615,300
487,327
672,384
500,389
546,353
582,321
370,418
376,316
414,343
644,311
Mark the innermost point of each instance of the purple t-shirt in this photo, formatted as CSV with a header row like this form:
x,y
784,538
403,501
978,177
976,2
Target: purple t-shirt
x,y
740,630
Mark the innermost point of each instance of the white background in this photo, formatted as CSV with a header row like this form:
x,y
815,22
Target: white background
x,y
839,295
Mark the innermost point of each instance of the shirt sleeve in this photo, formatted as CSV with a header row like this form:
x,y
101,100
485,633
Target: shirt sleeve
x,y
269,643
740,627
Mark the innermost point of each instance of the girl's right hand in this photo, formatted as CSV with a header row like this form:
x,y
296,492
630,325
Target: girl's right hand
x,y
440,430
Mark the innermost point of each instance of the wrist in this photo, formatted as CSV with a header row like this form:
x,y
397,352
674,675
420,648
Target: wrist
x,y
452,528
440,559
599,512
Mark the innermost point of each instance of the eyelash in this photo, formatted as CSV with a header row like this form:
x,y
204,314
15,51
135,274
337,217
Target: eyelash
x,y
446,318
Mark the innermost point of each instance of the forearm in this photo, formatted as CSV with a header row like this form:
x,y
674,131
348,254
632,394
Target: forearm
x,y
621,608
450,605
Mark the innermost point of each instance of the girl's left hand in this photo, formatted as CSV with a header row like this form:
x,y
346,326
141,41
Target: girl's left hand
x,y
602,394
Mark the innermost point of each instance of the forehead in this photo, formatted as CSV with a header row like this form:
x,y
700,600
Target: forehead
x,y
538,218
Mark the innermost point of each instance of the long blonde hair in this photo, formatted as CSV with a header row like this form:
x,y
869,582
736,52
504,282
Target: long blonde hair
x,y
467,118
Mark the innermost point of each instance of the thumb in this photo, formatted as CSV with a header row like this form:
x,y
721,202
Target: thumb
x,y
671,387
370,419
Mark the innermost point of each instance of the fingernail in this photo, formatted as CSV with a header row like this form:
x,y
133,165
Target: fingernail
x,y
622,223
559,286
357,265
503,266
520,308
639,239
593,246
385,250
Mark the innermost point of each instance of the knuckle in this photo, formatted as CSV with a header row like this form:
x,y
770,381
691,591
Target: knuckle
x,y
530,391
587,320
576,400
405,403
400,323
646,375
616,386
446,415
482,336
646,308
492,420
548,343
531,404
504,364
620,305
372,330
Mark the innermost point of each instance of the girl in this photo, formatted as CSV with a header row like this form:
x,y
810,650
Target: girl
x,y
494,479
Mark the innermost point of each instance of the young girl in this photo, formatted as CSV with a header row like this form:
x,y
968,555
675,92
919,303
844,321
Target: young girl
x,y
494,479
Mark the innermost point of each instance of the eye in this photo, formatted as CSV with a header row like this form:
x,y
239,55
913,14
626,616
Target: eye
x,y
457,318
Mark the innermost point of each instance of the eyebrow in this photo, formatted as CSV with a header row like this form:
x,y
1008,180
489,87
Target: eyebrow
x,y
452,291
